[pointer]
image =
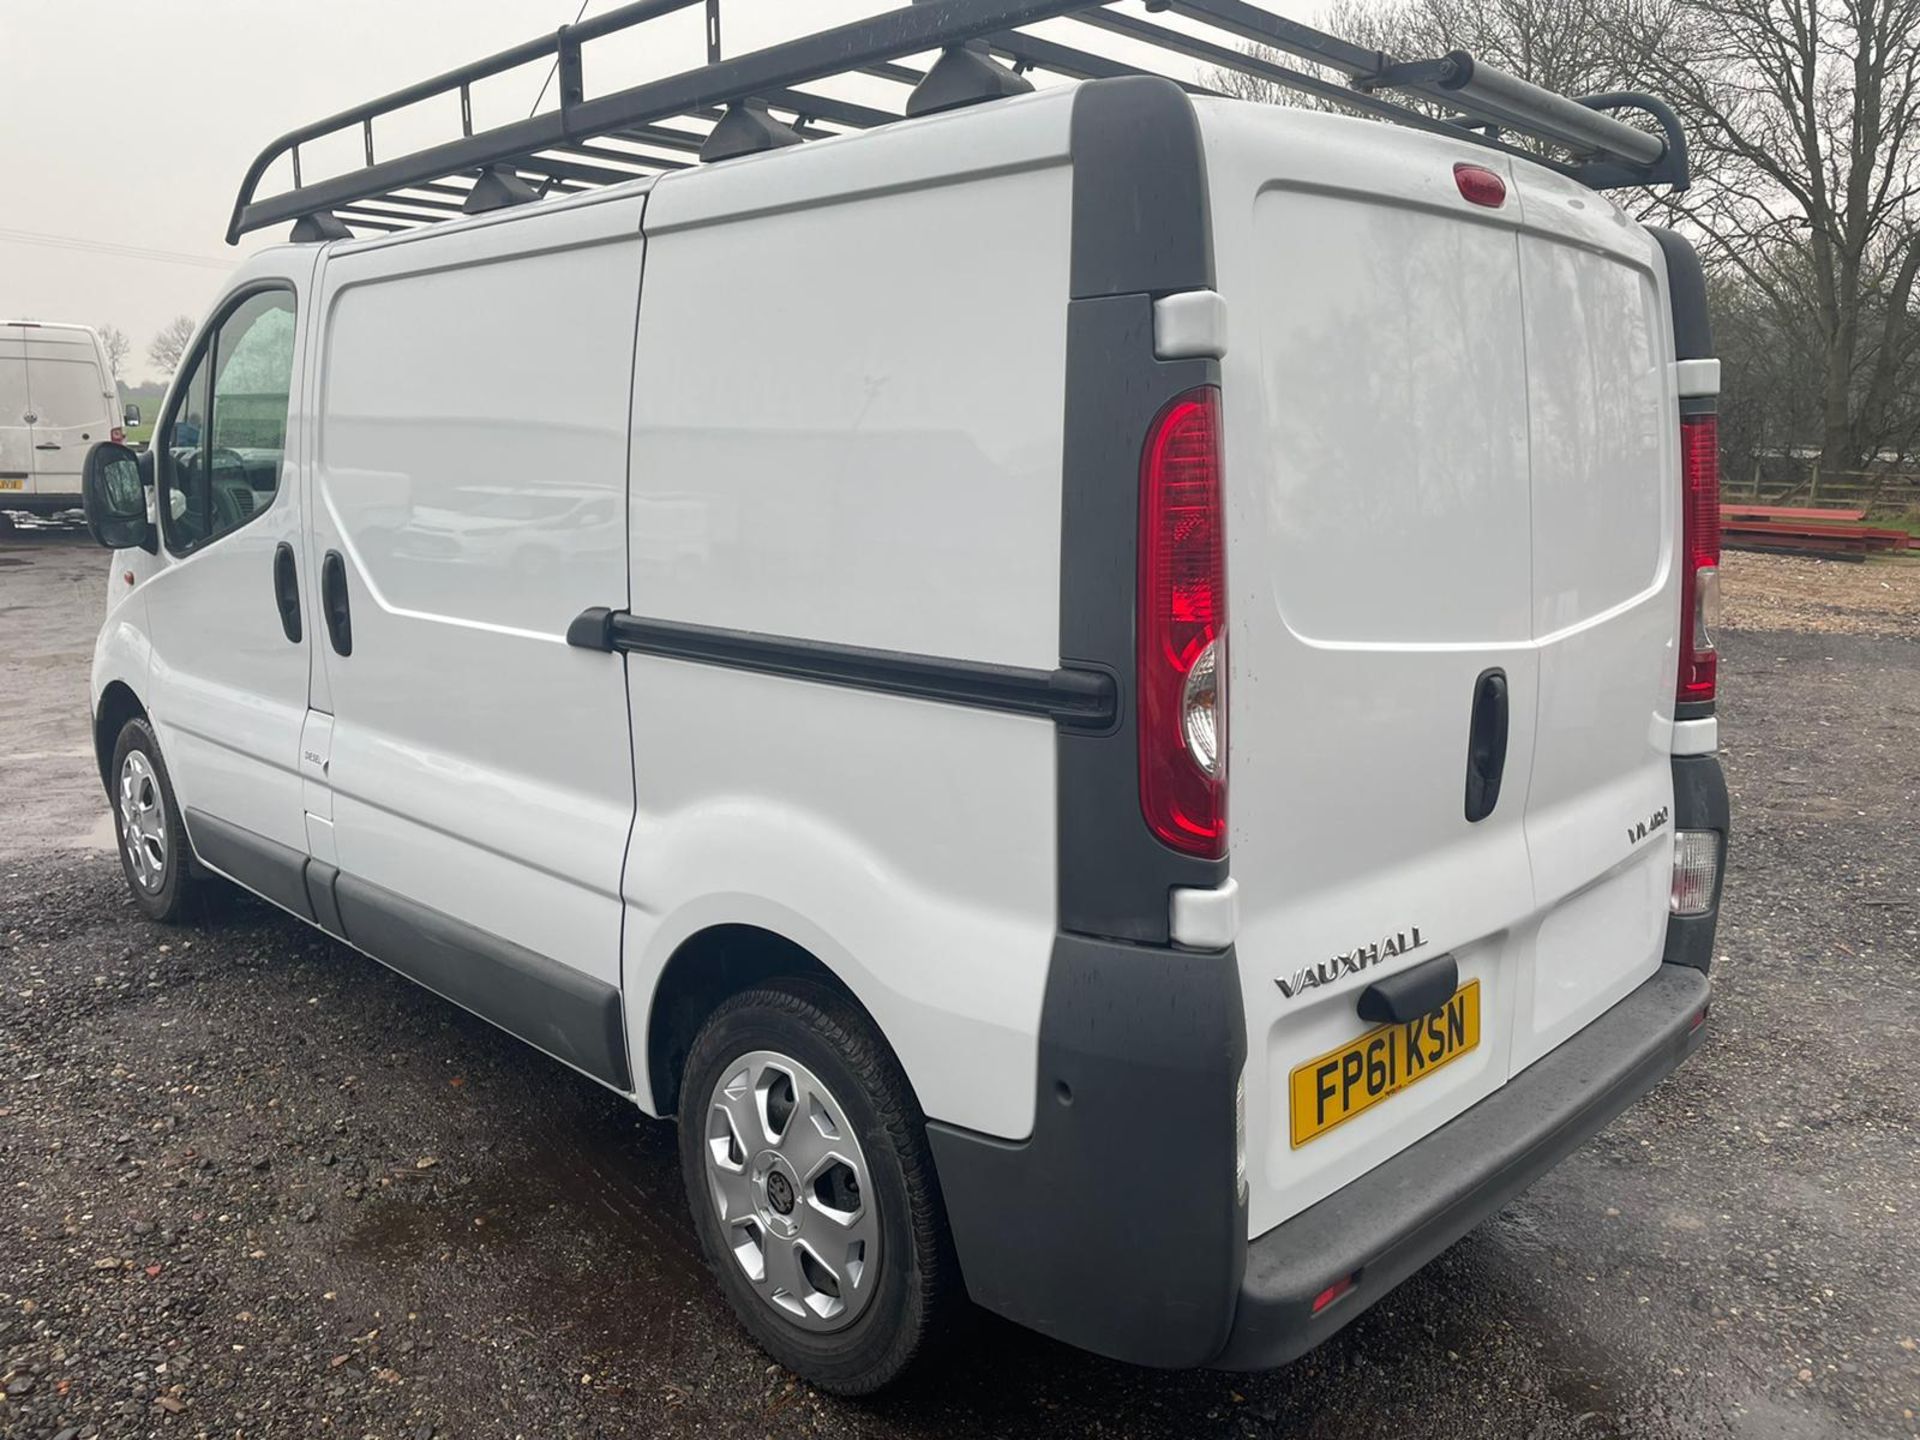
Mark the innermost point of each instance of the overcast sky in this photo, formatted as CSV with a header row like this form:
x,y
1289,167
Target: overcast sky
x,y
126,125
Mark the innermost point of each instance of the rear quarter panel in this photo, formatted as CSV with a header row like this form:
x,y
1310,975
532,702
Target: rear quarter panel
x,y
847,427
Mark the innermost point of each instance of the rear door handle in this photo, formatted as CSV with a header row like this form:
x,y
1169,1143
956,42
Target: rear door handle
x,y
333,602
1486,743
286,590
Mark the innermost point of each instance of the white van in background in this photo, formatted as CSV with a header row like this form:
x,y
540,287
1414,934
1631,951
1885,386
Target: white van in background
x,y
1106,693
57,397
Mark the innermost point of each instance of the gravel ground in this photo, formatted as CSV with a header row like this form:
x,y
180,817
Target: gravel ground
x,y
254,1185
1785,592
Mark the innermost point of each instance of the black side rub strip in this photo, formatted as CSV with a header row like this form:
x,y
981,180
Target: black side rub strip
x,y
552,1006
1084,698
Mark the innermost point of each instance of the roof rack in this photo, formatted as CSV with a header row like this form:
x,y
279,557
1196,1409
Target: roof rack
x,y
727,107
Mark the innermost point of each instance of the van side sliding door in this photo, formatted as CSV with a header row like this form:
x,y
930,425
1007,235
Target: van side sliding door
x,y
470,483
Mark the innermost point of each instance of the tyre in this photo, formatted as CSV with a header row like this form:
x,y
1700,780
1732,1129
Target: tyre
x,y
806,1164
147,822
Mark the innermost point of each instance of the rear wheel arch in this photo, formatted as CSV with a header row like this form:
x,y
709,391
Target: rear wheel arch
x,y
118,704
707,969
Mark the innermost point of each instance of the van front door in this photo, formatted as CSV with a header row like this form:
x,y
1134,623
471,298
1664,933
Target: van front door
x,y
231,612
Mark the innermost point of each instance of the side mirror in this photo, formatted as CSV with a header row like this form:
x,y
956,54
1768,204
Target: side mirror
x,y
115,500
131,416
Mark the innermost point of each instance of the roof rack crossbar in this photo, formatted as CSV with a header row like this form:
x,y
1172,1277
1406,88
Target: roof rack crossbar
x,y
1259,68
886,36
1479,103
1032,51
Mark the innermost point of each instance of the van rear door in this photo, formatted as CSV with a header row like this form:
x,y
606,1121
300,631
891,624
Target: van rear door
x,y
16,432
1604,439
73,406
1379,557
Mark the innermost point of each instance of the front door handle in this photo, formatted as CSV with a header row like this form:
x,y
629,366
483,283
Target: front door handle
x,y
333,602
46,445
286,590
1486,744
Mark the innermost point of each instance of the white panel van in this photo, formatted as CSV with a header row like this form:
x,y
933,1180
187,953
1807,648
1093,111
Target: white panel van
x,y
1106,693
57,397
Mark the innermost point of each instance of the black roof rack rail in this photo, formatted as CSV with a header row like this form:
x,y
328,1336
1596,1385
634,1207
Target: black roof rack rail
x,y
664,124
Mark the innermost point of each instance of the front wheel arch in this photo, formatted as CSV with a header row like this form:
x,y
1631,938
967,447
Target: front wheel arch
x,y
118,704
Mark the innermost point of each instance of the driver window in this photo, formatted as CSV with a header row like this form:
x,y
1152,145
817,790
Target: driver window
x,y
220,459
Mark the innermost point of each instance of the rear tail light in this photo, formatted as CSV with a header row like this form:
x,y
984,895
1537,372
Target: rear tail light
x,y
1240,1139
1700,550
1696,867
1181,637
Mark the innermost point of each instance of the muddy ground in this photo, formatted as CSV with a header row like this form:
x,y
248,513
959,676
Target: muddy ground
x,y
252,1184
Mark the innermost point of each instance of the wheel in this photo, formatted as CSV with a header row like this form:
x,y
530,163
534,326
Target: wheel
x,y
806,1164
146,818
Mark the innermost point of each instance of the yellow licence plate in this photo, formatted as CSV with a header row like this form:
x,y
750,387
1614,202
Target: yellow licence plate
x,y
1357,1076
13,482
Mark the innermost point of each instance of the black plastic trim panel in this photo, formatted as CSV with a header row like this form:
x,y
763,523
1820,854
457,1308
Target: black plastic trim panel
x,y
1077,697
1141,228
1687,289
1694,710
1699,803
271,870
1406,1210
1140,217
326,911
549,1005
1115,1227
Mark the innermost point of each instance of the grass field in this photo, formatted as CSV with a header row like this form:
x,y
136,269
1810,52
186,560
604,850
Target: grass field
x,y
149,402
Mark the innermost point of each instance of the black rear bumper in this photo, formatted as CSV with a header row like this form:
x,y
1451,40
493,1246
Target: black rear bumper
x,y
1398,1216
1117,1226
36,504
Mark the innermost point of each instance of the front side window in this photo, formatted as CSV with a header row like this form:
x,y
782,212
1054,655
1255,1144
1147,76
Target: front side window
x,y
219,458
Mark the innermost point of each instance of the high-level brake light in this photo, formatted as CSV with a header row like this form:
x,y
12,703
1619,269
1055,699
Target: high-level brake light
x,y
1182,632
1700,556
1479,185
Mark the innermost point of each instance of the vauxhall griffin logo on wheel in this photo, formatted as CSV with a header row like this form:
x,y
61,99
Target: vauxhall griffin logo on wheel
x,y
1401,942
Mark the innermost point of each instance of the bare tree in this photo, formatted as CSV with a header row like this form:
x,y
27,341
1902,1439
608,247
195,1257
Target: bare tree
x,y
1810,113
115,339
1567,45
171,343
1804,123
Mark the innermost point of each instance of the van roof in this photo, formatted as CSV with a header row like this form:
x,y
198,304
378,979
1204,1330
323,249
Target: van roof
x,y
983,49
45,325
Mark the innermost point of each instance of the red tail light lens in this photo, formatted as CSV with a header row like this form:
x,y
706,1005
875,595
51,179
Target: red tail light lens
x,y
1182,632
1479,185
1700,553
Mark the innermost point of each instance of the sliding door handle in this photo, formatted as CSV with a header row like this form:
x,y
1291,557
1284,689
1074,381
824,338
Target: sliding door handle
x,y
333,602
